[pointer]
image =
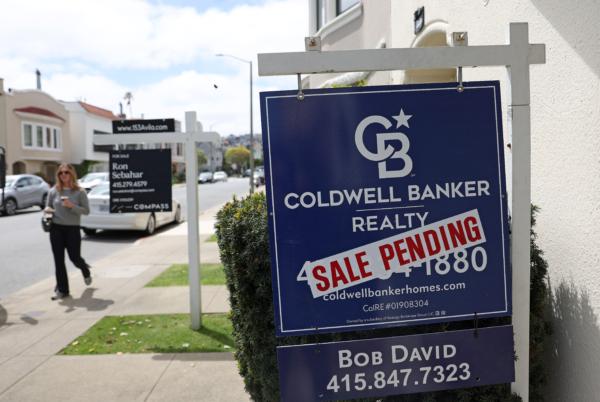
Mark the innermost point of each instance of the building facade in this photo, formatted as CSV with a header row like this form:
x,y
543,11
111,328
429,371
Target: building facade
x,y
565,155
212,146
35,132
85,120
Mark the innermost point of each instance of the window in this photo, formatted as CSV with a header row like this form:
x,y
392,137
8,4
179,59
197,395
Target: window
x,y
56,135
330,15
102,148
343,5
48,143
40,136
24,182
321,6
27,135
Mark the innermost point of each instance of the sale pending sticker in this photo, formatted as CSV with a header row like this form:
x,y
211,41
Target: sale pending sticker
x,y
380,259
387,206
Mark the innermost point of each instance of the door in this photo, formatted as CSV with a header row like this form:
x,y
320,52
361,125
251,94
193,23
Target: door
x,y
25,191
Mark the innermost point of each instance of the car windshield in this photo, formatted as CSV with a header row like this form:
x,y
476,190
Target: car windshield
x,y
101,189
10,180
94,176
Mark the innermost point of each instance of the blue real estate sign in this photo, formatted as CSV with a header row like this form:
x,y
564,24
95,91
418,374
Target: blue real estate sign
x,y
387,206
396,365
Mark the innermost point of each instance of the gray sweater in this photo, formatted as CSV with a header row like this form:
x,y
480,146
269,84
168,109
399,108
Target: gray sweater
x,y
68,216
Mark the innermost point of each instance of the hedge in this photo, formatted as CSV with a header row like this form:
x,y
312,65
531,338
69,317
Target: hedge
x,y
242,233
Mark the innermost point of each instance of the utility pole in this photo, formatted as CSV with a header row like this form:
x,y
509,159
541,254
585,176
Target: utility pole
x,y
2,172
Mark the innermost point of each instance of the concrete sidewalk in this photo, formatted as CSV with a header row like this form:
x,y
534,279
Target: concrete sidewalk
x,y
33,329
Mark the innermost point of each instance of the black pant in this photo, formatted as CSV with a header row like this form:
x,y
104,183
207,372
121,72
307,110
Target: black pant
x,y
61,238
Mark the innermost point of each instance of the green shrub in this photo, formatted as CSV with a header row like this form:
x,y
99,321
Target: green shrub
x,y
178,177
242,233
84,167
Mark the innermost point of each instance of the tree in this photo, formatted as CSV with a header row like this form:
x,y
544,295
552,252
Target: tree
x,y
240,156
201,158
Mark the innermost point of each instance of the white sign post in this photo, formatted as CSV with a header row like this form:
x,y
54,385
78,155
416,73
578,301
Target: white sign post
x,y
516,57
189,138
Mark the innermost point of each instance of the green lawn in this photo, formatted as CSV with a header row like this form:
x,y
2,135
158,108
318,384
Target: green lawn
x,y
177,275
212,238
165,333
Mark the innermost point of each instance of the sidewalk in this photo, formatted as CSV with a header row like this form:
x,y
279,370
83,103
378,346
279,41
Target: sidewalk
x,y
36,328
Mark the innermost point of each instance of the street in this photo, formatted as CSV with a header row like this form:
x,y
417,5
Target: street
x,y
26,257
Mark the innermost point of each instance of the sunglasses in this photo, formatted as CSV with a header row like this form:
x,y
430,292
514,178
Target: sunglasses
x,y
64,172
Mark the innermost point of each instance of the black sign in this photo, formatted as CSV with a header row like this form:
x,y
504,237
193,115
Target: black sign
x,y
143,126
2,168
140,181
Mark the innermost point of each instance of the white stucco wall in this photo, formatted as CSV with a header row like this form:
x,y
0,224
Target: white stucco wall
x,y
565,110
76,123
82,125
92,123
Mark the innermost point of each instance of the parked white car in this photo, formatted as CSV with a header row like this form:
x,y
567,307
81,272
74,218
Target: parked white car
x,y
91,180
100,218
220,176
205,177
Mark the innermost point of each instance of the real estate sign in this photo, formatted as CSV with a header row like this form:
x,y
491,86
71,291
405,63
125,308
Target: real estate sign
x,y
396,365
140,181
387,206
133,126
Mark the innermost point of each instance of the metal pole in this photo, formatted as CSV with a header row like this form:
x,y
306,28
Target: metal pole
x,y
251,165
3,168
191,177
251,136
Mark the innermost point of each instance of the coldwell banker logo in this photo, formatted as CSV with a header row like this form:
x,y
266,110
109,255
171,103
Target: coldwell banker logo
x,y
385,151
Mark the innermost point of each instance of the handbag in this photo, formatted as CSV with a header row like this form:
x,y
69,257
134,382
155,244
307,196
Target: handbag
x,y
46,221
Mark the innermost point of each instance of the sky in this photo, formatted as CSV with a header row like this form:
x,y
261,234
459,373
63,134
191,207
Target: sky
x,y
162,51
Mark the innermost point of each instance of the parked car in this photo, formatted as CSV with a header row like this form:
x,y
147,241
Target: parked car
x,y
100,218
220,176
259,178
23,191
91,180
205,177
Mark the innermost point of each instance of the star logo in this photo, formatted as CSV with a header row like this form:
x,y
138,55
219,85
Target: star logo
x,y
402,119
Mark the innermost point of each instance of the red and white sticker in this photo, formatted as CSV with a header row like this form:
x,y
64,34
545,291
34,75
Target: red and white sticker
x,y
378,260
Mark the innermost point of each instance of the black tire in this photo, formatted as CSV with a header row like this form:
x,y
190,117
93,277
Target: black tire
x,y
151,226
10,206
44,198
89,232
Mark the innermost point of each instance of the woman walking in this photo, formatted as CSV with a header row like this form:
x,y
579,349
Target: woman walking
x,y
67,202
